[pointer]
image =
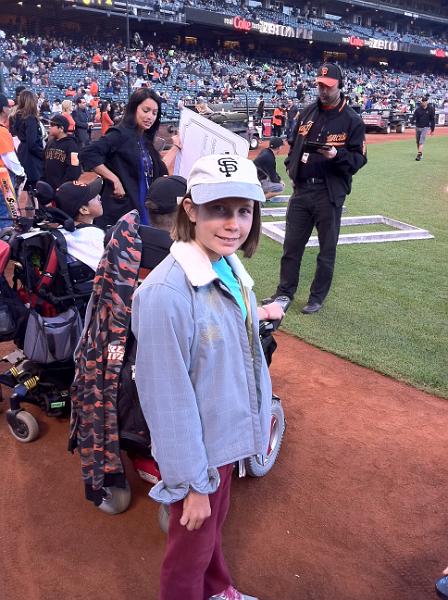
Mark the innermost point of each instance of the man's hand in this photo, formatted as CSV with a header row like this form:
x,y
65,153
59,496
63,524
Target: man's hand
x,y
196,510
431,133
328,154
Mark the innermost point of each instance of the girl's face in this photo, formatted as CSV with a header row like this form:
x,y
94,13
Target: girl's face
x,y
222,226
146,114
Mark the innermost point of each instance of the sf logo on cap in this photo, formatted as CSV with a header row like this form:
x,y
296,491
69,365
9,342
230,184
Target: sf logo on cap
x,y
324,70
228,166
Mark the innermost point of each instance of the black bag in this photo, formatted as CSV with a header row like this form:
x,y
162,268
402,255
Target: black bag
x,y
132,426
13,314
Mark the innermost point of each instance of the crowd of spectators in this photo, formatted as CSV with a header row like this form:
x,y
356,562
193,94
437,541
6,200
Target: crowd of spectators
x,y
308,17
60,70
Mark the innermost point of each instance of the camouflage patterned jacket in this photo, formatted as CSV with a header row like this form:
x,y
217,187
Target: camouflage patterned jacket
x,y
99,357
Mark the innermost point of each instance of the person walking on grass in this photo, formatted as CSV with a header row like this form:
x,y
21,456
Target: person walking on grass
x,y
424,120
195,317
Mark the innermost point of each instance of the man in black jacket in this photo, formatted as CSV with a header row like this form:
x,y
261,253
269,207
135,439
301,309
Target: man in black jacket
x,y
61,162
82,124
322,179
424,120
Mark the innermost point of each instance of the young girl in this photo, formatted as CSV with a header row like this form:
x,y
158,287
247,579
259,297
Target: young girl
x,y
202,379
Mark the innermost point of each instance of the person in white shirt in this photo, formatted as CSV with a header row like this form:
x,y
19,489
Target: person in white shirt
x,y
81,201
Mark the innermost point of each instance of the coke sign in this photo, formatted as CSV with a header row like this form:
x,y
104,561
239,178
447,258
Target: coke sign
x,y
242,24
355,41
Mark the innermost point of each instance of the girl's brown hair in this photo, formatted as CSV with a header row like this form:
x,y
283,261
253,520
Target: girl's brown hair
x,y
184,230
27,105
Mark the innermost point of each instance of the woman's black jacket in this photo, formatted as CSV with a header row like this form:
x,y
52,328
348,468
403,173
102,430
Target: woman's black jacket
x,y
31,149
118,150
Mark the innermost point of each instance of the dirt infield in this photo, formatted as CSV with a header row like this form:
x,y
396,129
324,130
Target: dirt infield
x,y
355,508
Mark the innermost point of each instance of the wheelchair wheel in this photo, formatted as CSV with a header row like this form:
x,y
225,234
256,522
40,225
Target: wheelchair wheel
x,y
259,466
164,517
115,499
24,427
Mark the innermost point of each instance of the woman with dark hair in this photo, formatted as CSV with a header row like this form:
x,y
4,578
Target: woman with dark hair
x,y
105,118
28,129
126,158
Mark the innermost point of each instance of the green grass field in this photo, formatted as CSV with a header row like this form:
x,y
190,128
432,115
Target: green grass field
x,y
388,307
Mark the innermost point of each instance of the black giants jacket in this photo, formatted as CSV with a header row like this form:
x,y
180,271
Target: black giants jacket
x,y
61,161
346,132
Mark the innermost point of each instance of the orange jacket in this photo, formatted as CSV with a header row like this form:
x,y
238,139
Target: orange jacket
x,y
278,116
106,122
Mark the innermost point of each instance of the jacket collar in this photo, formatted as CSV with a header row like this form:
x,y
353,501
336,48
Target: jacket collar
x,y
336,109
198,268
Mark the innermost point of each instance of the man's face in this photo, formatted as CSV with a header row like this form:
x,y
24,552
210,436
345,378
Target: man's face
x,y
328,95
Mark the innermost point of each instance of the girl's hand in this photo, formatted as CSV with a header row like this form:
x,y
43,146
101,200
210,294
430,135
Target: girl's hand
x,y
196,510
271,312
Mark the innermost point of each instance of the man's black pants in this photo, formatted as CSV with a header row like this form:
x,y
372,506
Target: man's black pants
x,y
308,207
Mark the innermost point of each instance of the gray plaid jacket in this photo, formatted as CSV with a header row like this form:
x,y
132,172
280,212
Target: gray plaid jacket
x,y
205,394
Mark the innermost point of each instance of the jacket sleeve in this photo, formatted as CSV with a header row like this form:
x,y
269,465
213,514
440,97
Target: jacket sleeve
x,y
432,119
33,140
162,322
351,158
96,153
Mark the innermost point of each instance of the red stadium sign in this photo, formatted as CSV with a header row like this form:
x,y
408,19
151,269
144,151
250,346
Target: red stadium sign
x,y
97,2
439,53
241,24
355,41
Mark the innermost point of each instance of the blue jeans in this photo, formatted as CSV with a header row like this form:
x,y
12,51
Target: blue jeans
x,y
5,216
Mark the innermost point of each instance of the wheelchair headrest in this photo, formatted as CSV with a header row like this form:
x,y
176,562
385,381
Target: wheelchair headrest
x,y
44,193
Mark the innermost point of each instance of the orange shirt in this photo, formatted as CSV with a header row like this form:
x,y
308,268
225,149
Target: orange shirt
x,y
94,88
97,59
106,122
277,117
6,142
71,122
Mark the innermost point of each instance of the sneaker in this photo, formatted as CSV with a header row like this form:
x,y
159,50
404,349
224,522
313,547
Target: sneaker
x,y
231,593
419,156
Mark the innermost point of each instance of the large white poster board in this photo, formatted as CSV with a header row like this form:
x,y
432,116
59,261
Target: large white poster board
x,y
201,137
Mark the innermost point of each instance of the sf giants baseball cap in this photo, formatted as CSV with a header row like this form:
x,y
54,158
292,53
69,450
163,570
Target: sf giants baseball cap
x,y
224,176
329,74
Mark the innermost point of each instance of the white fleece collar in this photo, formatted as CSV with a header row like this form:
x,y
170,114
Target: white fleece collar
x,y
198,268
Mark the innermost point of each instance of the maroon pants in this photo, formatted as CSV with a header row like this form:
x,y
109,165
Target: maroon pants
x,y
194,567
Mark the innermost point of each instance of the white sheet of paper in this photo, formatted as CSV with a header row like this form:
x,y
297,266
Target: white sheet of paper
x,y
201,137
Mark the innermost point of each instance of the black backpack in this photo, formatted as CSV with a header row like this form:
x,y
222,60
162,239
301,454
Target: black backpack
x,y
13,314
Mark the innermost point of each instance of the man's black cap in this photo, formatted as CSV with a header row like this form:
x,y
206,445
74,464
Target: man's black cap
x,y
275,142
60,121
329,74
163,194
